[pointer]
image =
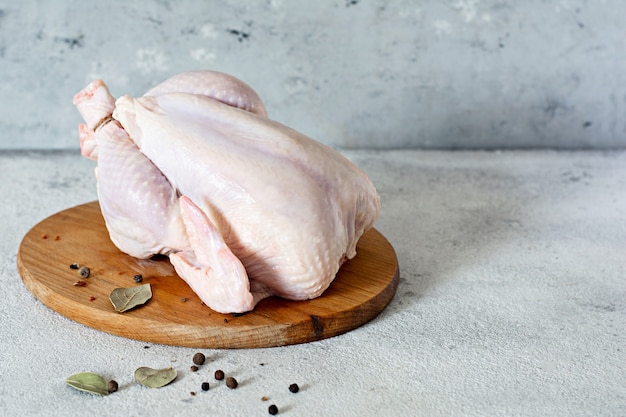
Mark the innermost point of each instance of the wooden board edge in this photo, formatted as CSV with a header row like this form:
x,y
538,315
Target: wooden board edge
x,y
312,328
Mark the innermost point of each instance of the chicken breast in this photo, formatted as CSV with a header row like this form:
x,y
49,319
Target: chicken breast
x,y
244,206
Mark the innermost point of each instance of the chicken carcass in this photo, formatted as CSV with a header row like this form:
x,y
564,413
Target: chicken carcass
x,y
244,206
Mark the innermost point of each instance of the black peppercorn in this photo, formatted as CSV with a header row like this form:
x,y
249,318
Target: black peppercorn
x,y
74,266
231,382
84,272
272,409
199,358
138,278
112,386
219,374
294,388
193,368
205,386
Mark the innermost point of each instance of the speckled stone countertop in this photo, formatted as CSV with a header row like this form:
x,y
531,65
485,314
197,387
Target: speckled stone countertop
x,y
512,301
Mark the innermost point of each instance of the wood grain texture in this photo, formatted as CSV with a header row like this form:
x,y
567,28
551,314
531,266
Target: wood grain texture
x,y
175,315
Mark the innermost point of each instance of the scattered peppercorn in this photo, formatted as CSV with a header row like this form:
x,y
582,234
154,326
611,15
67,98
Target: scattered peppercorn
x,y
84,272
219,374
44,236
91,298
199,358
205,386
225,320
74,266
138,278
272,409
231,382
193,368
80,283
294,388
193,393
112,386
57,237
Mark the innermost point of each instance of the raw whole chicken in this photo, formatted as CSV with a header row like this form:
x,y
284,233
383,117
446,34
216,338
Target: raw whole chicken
x,y
244,207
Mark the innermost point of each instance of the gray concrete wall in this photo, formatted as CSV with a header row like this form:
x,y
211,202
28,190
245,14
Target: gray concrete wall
x,y
350,73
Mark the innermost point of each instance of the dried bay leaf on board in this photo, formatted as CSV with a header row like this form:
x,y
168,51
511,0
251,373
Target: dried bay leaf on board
x,y
88,382
124,299
154,378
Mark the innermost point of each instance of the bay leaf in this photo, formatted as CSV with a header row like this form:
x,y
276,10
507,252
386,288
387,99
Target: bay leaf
x,y
88,382
154,378
124,299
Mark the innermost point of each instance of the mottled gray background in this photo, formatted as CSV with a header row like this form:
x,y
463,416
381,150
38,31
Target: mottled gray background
x,y
350,73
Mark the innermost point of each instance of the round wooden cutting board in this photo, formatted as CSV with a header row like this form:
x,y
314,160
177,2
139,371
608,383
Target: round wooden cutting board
x,y
175,315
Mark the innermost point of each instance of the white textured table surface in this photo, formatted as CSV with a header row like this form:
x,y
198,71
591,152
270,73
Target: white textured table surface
x,y
512,301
